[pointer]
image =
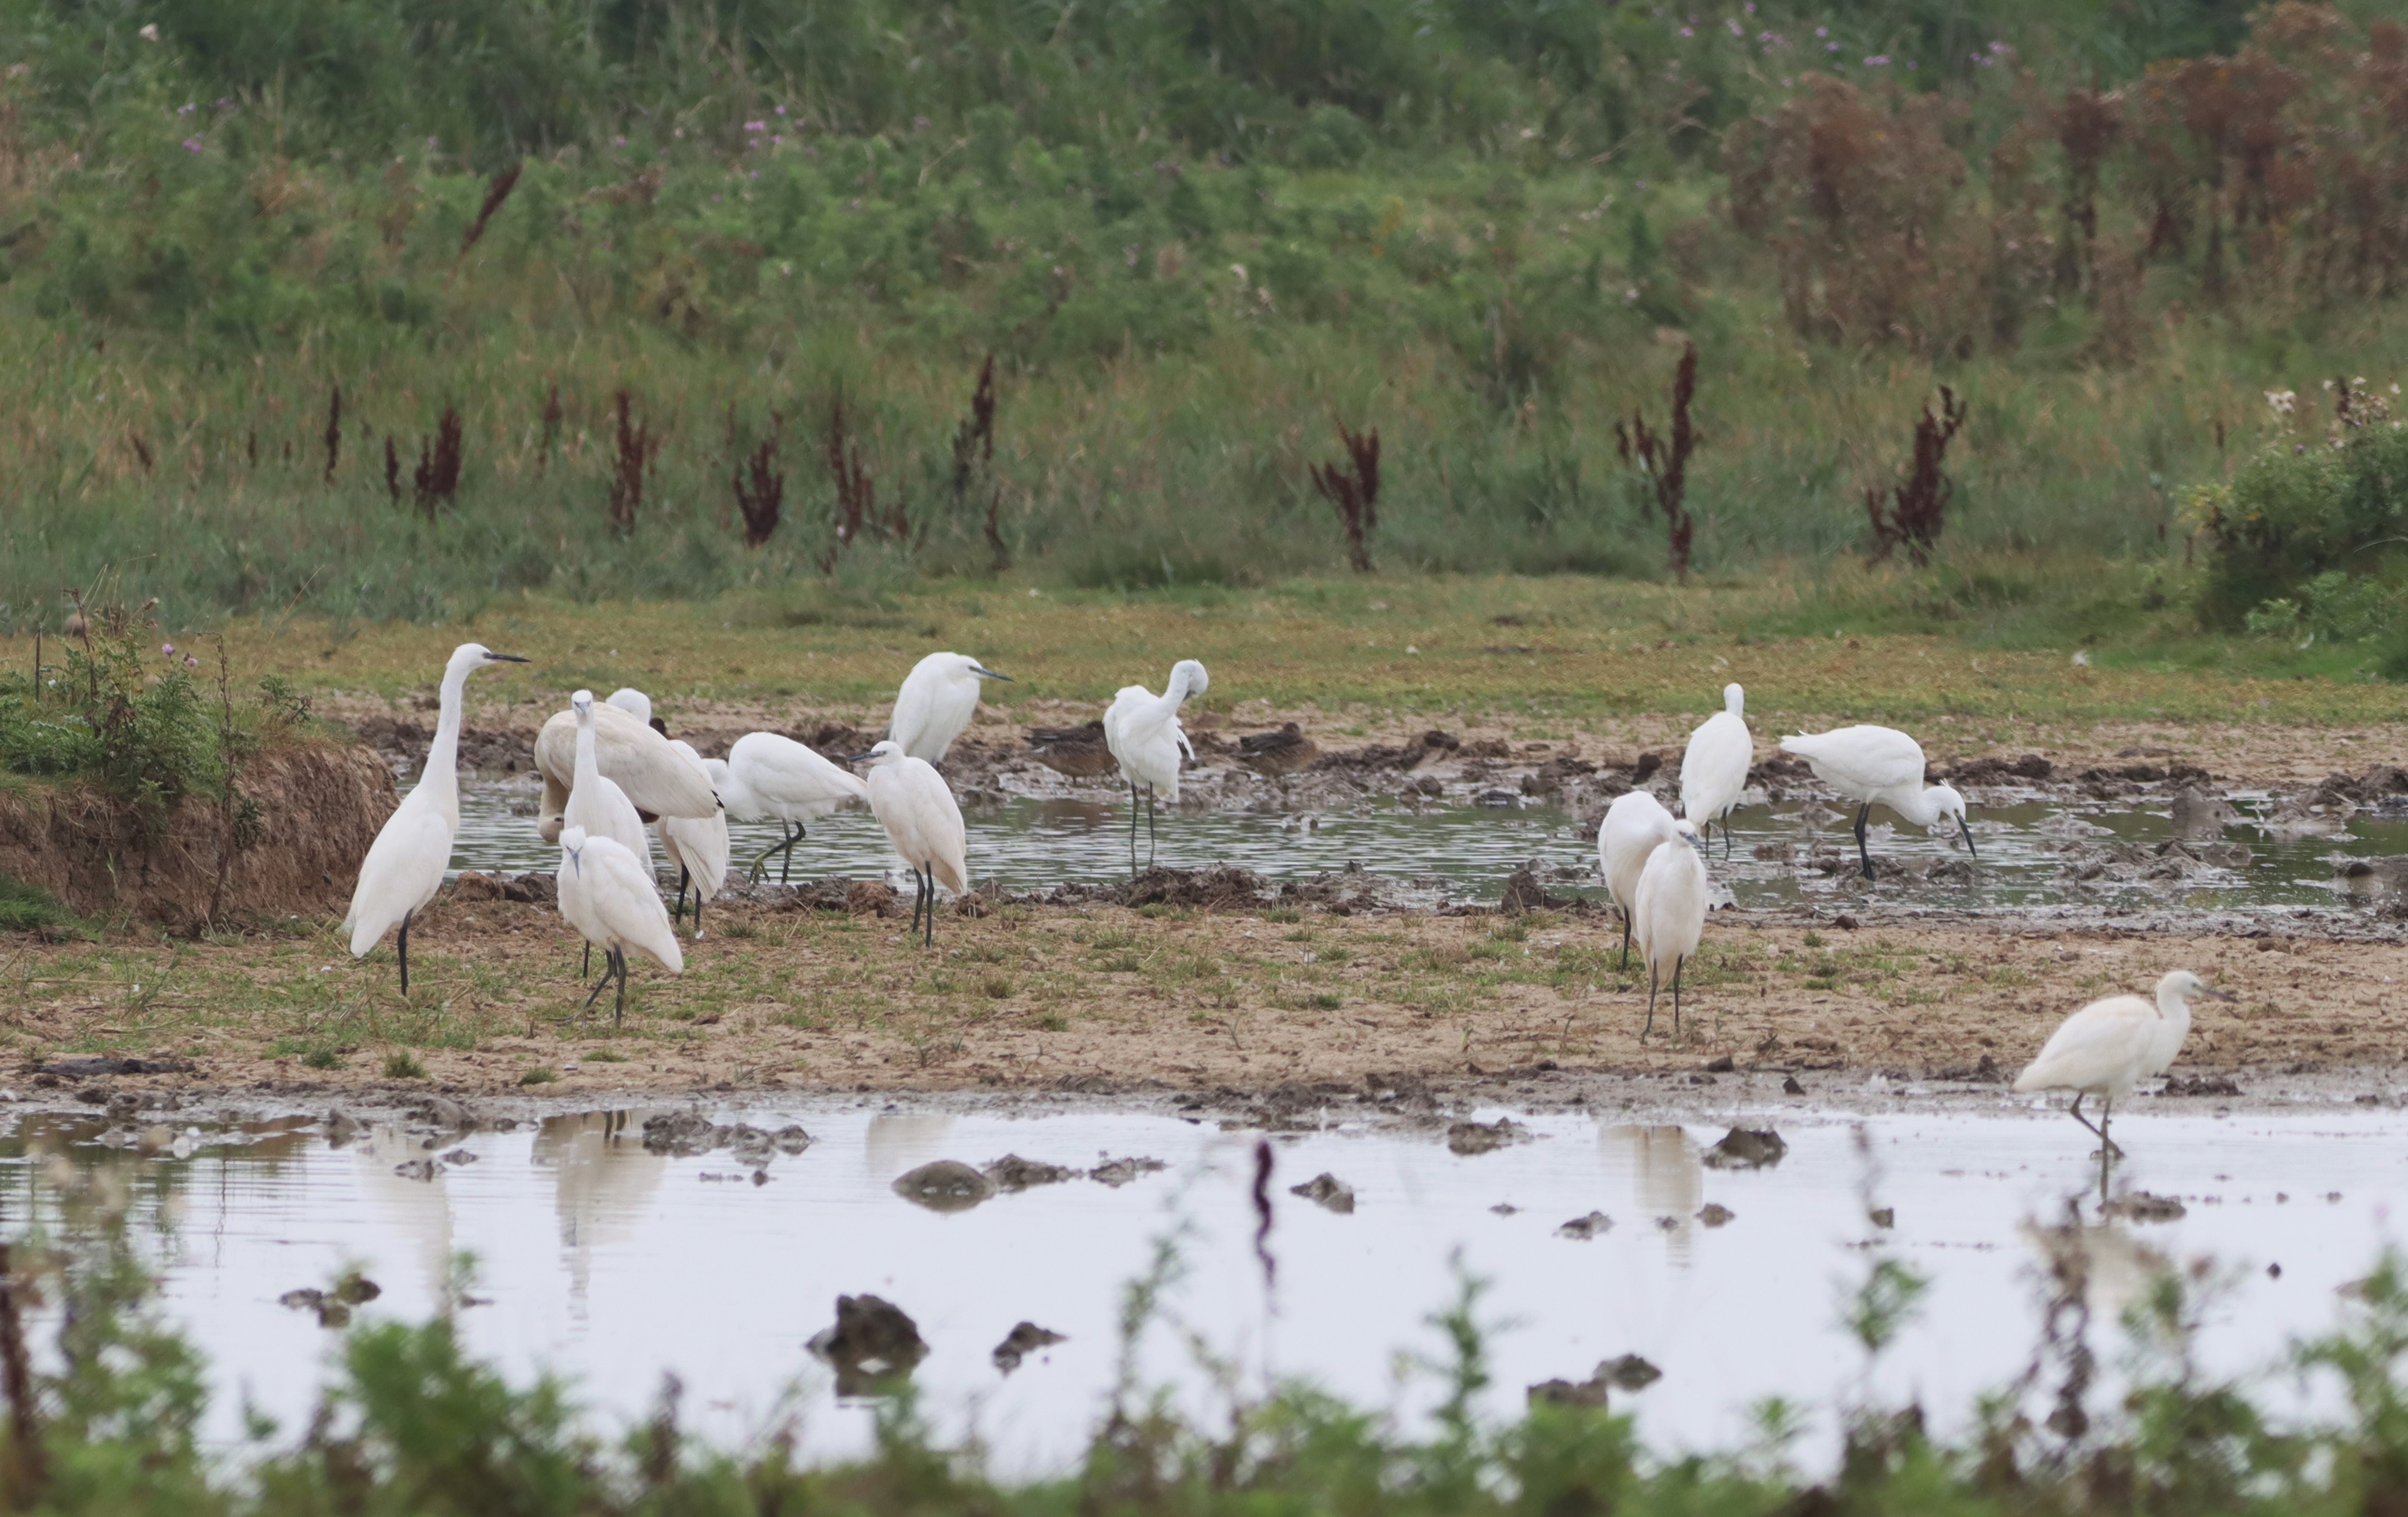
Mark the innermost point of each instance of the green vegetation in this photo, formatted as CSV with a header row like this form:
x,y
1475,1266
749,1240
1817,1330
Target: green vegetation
x,y
25,908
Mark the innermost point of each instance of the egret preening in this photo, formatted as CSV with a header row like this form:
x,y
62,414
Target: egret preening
x,y
935,703
912,802
404,864
1633,826
659,780
607,895
1870,764
1143,732
699,849
1668,913
1713,770
768,776
2107,1047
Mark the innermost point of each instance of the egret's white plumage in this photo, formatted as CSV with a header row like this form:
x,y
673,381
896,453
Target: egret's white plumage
x,y
607,895
2111,1045
1633,826
1713,768
1143,732
914,804
769,777
1669,914
655,776
937,701
1879,765
699,847
595,802
635,703
405,865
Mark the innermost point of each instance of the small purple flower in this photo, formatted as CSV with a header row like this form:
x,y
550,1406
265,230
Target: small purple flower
x,y
618,142
1641,184
168,649
1830,46
184,109
1876,60
1822,31
757,126
777,139
191,144
919,123
1736,30
781,110
190,663
1685,32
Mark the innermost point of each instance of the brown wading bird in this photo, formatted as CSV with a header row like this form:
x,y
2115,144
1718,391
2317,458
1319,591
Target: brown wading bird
x,y
1077,751
1283,751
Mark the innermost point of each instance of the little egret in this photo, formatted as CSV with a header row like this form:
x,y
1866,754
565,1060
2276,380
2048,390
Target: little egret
x,y
404,864
655,776
912,801
1869,764
595,802
2104,1049
1143,732
1669,907
1633,826
636,704
769,777
699,849
609,897
1277,753
935,702
1713,770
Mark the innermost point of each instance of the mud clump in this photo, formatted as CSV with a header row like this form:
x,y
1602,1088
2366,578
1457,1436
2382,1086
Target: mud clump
x,y
1525,891
1630,1372
944,1185
682,1132
1328,1192
1466,1138
2200,1086
1024,1339
1588,1394
1013,1173
1746,1148
2142,1206
1596,1224
334,1307
872,1344
2000,772
526,889
92,1069
1714,1214
1118,1172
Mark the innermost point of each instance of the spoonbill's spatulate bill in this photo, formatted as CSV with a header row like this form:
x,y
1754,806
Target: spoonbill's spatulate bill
x,y
1879,765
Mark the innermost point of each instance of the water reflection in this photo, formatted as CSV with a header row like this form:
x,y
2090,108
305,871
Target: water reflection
x,y
1668,1179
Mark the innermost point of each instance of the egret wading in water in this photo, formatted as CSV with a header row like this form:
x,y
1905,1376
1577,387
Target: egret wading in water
x,y
1143,732
699,849
404,864
597,805
1714,768
610,898
1880,764
912,802
2109,1046
937,701
768,776
1668,909
1634,824
656,778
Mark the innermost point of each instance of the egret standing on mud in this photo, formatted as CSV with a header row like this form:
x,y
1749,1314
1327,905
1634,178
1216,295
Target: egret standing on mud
x,y
1714,768
2107,1047
596,804
1669,907
699,847
1143,732
610,898
914,804
935,703
1869,764
769,777
1634,824
404,864
659,780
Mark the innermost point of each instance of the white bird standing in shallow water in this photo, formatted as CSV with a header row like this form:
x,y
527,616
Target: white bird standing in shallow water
x,y
638,760
1670,911
699,849
2109,1045
914,804
1714,768
935,703
404,864
610,898
769,777
1143,732
1633,826
1870,764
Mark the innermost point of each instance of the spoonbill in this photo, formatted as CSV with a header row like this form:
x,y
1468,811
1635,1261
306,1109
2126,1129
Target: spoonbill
x,y
914,804
699,847
1143,732
609,897
1633,826
1713,769
769,777
935,703
1869,764
654,776
2107,1047
404,864
1669,913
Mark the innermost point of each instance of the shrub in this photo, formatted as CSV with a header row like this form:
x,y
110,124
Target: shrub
x,y
2299,512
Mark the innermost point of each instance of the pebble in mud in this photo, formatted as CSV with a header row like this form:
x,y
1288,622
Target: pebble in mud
x,y
944,1185
1746,1148
1326,1190
1024,1339
1013,1173
1714,1214
873,1341
1470,1138
1596,1224
1118,1172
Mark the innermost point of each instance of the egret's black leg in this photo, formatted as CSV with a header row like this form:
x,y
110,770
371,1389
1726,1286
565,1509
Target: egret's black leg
x,y
585,964
1651,1004
1724,824
677,913
1862,853
597,994
619,1017
1676,996
932,905
786,851
697,913
401,945
914,930
1132,829
1625,937
1149,826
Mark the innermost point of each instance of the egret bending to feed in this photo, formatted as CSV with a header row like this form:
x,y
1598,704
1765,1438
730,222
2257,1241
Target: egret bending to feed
x,y
2107,1047
935,703
1669,907
1143,732
659,780
609,897
699,847
769,777
404,864
1713,769
1633,826
912,801
1870,764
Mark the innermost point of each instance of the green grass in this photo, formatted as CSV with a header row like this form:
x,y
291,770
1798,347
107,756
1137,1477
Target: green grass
x,y
25,908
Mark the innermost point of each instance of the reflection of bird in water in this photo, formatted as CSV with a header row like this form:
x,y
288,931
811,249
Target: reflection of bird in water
x,y
419,1210
1283,751
1666,1177
602,1183
2111,1267
901,1141
1077,751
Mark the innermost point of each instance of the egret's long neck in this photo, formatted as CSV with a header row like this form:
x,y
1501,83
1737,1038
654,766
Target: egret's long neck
x,y
1919,805
588,770
2173,1005
442,769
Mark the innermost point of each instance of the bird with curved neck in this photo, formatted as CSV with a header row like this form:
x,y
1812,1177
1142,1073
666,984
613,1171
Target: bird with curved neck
x,y
1881,766
1143,731
935,702
403,867
924,822
2109,1046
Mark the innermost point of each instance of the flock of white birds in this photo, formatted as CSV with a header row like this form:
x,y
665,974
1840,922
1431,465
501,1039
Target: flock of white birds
x,y
613,779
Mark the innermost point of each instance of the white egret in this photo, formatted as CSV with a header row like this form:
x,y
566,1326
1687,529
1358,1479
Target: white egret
x,y
914,804
1669,909
1714,768
608,896
769,777
699,847
1143,732
404,864
2107,1047
595,802
1869,764
935,703
636,704
655,776
1633,826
